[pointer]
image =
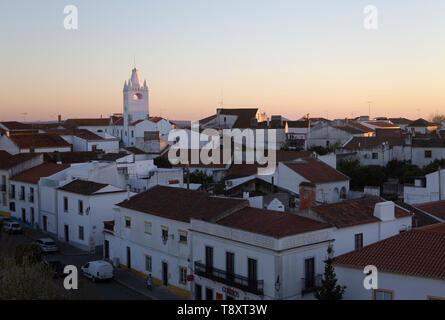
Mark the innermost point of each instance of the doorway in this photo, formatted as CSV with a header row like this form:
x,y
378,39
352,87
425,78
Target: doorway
x,y
23,215
164,273
67,233
45,224
129,257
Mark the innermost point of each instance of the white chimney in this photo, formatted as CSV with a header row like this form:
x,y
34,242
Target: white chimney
x,y
384,211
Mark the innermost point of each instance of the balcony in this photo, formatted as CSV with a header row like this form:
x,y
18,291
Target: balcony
x,y
11,194
233,280
310,284
21,196
2,187
31,198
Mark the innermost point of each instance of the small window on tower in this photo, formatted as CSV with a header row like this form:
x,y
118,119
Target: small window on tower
x,y
137,96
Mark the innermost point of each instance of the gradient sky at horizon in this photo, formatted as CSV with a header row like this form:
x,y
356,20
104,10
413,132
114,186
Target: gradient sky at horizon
x,y
288,57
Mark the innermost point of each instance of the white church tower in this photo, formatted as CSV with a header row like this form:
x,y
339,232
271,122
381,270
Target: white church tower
x,y
135,102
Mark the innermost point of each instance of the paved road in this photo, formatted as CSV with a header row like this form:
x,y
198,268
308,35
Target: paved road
x,y
109,290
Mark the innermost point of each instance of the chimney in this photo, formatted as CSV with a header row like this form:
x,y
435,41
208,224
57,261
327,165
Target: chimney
x,y
307,195
384,211
59,118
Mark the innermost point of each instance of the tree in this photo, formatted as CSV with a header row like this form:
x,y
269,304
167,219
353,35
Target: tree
x,y
29,252
437,118
329,289
162,162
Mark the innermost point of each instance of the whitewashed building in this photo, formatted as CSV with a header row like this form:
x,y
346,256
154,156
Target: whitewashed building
x,y
359,222
83,207
27,195
411,266
426,189
150,233
258,254
10,166
36,142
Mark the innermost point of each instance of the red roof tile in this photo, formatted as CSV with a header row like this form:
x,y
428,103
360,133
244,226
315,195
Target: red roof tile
x,y
353,212
15,160
98,122
14,125
181,204
84,187
419,252
33,175
271,223
436,208
39,140
316,171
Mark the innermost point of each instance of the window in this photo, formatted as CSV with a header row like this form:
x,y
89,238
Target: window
x,y
209,294
375,155
382,294
182,275
183,236
94,147
209,259
428,154
148,264
12,206
132,133
147,227
358,241
164,234
309,273
31,194
12,193
65,204
81,235
230,265
198,292
252,270
127,222
80,207
22,193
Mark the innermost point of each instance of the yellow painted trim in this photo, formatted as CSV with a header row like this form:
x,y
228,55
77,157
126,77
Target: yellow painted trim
x,y
179,291
5,214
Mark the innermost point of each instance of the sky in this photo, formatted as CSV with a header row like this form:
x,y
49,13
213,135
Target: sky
x,y
287,57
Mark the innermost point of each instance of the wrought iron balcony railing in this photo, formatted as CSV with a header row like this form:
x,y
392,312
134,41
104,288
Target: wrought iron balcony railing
x,y
230,279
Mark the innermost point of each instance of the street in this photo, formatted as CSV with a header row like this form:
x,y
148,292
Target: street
x,y
107,290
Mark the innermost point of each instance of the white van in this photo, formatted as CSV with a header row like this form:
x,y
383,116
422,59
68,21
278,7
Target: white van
x,y
97,270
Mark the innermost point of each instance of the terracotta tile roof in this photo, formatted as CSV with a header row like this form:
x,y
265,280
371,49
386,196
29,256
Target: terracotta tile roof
x,y
419,253
135,150
421,123
155,119
86,188
297,124
181,204
372,142
349,129
207,119
39,140
14,160
82,156
14,125
245,116
94,122
80,133
428,143
436,208
353,212
389,132
420,218
4,155
33,175
316,171
400,121
271,223
359,126
244,170
381,124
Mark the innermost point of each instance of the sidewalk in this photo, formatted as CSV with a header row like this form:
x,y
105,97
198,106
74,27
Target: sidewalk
x,y
135,283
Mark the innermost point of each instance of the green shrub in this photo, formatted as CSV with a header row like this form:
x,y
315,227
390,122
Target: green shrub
x,y
27,252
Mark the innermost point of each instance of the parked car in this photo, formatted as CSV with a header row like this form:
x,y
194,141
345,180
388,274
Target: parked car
x,y
47,245
97,270
12,227
56,267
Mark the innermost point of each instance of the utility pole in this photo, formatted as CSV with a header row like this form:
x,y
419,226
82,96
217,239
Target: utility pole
x,y
369,109
440,185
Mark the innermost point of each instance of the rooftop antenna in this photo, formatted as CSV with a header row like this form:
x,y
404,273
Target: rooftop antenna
x,y
134,61
369,109
24,114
